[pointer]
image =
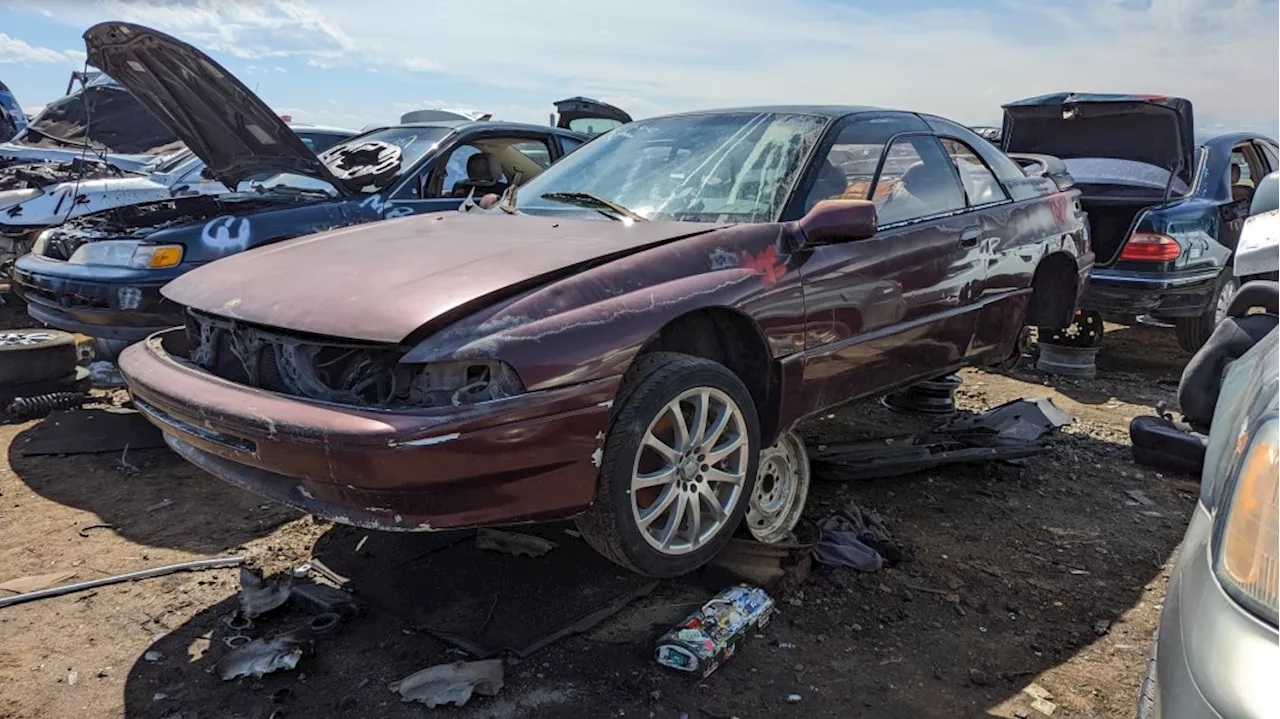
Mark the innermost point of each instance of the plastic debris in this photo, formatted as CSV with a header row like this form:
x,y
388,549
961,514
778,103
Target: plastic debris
x,y
153,656
451,683
105,375
259,596
513,543
262,656
323,599
707,638
793,698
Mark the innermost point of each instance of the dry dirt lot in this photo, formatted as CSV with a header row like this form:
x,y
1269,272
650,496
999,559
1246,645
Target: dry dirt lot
x,y
1034,556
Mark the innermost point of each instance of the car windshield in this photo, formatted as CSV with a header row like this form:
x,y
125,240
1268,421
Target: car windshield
x,y
717,167
169,163
414,143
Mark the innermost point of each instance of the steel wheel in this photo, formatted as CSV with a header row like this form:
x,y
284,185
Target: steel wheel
x,y
782,486
689,472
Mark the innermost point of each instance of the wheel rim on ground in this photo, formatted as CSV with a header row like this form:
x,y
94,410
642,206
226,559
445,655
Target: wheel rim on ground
x,y
782,487
1224,300
689,471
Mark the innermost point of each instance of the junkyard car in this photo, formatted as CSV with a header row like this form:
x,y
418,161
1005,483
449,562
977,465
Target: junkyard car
x,y
101,274
100,121
621,341
180,174
1217,646
1165,214
12,119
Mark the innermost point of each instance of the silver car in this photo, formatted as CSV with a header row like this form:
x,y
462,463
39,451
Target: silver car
x,y
1217,650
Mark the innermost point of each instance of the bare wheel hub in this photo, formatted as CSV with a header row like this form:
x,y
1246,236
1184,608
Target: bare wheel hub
x,y
782,487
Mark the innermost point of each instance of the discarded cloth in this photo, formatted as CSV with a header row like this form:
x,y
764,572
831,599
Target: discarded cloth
x,y
857,539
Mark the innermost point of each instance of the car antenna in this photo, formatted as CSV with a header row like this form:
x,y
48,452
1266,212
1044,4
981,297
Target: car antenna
x,y
84,148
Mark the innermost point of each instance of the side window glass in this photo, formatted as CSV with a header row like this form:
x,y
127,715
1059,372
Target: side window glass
x,y
1239,170
534,150
569,144
593,125
849,166
980,184
1270,153
917,181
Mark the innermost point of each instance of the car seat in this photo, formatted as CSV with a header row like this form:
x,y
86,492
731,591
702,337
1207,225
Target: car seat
x,y
484,175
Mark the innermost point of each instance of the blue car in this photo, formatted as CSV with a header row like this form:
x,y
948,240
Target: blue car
x,y
101,274
1165,211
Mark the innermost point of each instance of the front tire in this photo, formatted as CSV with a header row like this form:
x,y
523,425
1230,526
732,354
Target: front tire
x,y
678,468
1193,332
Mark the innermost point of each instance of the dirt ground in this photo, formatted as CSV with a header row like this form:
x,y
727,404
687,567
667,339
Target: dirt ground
x,y
1013,569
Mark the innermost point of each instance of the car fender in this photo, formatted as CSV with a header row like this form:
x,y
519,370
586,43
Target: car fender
x,y
591,324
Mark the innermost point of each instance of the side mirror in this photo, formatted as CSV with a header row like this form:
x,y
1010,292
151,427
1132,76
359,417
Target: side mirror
x,y
834,221
1266,197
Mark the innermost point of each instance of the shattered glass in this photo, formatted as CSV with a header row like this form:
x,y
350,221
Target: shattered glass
x,y
714,167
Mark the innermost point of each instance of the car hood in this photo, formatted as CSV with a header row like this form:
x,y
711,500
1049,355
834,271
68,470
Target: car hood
x,y
53,205
382,281
1144,128
220,119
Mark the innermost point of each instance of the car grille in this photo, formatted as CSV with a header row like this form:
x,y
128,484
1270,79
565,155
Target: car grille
x,y
338,371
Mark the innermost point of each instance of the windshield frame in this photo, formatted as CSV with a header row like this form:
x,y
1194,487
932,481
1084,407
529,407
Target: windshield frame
x,y
797,177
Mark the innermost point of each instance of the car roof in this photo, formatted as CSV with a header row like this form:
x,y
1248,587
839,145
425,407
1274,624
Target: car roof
x,y
828,111
1231,138
322,128
463,125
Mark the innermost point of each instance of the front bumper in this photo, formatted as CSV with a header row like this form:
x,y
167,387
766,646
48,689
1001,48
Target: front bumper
x,y
1172,294
109,302
532,457
1213,658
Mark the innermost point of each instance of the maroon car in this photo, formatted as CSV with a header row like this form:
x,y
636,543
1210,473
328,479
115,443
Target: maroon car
x,y
628,342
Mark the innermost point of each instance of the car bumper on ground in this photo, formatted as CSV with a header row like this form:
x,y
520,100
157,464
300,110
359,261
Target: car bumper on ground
x,y
532,457
1126,293
109,302
1213,658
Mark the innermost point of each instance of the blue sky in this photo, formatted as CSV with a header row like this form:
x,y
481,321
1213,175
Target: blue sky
x,y
351,63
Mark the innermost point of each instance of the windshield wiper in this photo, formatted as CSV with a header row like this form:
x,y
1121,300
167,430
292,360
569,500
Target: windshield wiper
x,y
586,199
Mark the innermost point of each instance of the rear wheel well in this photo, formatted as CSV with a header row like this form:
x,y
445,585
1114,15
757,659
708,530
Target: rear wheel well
x,y
1053,292
725,336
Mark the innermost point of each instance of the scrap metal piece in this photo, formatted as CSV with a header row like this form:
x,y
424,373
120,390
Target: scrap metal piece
x,y
1020,421
262,656
323,599
513,543
878,459
197,565
258,596
451,683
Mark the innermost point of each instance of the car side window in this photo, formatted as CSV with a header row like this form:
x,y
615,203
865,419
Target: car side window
x,y
1269,153
534,150
1239,169
918,180
569,144
980,184
486,165
850,165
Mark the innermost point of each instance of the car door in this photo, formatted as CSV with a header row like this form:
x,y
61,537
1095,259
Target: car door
x,y
589,117
432,187
1252,166
888,310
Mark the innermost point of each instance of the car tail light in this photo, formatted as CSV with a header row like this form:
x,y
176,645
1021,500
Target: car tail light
x,y
1151,247
1248,558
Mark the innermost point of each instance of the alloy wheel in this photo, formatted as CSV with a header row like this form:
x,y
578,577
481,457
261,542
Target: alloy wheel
x,y
690,470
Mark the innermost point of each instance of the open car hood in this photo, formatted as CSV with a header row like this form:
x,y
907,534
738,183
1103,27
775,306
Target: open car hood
x,y
381,281
1143,128
220,119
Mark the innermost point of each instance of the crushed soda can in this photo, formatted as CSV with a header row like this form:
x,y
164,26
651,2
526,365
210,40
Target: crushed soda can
x,y
707,638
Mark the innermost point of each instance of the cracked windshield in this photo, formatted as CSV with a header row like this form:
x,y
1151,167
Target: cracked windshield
x,y
719,167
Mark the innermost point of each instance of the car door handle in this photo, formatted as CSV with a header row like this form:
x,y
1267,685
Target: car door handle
x,y
970,236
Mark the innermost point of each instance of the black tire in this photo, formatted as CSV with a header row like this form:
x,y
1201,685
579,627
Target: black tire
x,y
36,355
653,381
1193,332
1147,692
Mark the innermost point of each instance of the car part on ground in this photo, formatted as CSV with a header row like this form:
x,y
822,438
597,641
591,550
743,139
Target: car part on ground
x,y
782,488
30,407
934,397
1010,431
607,319
193,566
777,565
1071,351
451,683
1159,442
35,355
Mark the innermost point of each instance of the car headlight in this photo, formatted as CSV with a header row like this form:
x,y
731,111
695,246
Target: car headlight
x,y
1248,535
41,242
9,198
126,253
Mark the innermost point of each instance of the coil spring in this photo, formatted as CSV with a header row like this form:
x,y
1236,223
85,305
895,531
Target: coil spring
x,y
42,404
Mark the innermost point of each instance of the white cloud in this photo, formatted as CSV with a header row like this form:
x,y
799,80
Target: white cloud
x,y
669,55
19,52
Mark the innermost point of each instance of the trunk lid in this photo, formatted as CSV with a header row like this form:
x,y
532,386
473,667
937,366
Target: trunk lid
x,y
589,117
381,281
220,119
1150,129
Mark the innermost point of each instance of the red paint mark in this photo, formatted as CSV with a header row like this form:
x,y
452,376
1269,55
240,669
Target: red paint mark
x,y
765,265
1058,204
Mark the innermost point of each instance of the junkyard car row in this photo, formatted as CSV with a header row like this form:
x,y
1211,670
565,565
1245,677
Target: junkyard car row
x,y
452,323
